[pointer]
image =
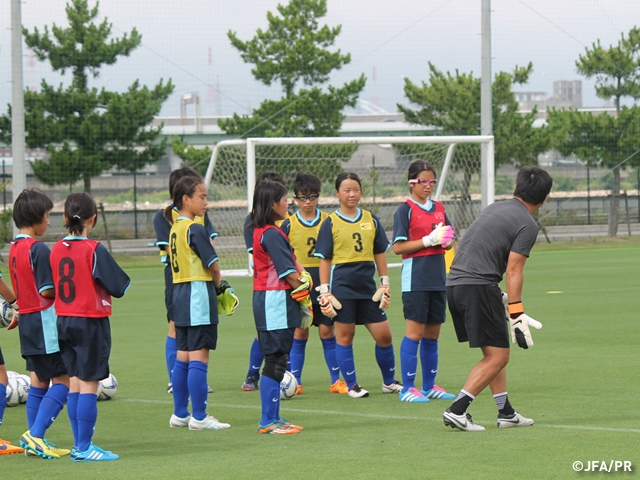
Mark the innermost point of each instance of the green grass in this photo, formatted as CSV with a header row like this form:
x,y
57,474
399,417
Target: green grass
x,y
579,383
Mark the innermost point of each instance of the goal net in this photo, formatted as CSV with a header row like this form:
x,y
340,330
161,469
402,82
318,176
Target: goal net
x,y
465,185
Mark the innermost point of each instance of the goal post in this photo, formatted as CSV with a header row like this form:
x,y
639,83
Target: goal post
x,y
380,162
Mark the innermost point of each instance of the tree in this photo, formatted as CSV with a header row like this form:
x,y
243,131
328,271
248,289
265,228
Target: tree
x,y
605,140
452,103
293,51
87,130
197,158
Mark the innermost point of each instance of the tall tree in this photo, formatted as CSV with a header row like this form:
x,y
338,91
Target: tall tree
x,y
87,130
605,140
294,52
451,102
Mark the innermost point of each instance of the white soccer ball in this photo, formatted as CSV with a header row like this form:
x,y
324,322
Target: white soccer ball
x,y
107,388
288,386
22,387
6,313
12,396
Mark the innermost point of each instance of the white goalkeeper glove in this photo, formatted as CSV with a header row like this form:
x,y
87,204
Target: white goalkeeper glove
x,y
383,294
442,234
9,314
519,323
328,303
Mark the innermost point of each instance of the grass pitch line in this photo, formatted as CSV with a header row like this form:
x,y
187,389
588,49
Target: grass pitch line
x,y
383,417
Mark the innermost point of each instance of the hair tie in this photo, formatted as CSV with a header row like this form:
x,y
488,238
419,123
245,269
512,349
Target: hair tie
x,y
77,216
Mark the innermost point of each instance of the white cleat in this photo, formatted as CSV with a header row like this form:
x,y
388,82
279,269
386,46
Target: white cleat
x,y
394,387
514,420
177,422
209,423
461,422
358,392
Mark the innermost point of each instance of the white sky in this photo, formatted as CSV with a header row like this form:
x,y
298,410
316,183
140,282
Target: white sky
x,y
395,37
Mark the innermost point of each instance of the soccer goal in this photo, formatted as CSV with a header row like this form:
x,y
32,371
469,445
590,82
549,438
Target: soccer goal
x,y
465,185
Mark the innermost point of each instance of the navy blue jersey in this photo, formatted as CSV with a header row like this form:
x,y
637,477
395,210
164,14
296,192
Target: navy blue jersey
x,y
351,279
419,273
248,234
195,302
273,307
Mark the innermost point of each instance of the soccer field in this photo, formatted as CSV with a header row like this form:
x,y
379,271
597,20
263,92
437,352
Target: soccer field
x,y
579,384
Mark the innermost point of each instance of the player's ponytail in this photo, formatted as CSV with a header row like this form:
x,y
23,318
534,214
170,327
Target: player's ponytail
x,y
185,186
78,208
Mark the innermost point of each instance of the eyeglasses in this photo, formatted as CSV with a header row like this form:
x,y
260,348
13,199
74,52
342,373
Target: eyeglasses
x,y
430,182
307,198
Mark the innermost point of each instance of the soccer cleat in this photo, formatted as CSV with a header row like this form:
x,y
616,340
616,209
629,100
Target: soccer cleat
x,y
208,423
358,392
299,390
394,387
438,393
7,449
177,422
339,387
277,428
209,389
513,420
170,388
41,447
290,425
412,395
250,384
461,422
93,454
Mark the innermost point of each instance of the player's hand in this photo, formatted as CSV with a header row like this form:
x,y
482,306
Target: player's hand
x,y
306,310
519,323
227,298
383,294
441,234
302,292
328,303
10,314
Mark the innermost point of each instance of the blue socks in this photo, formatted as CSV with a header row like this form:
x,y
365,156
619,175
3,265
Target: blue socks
x,y
197,381
387,362
170,352
329,349
347,364
87,416
255,359
3,404
52,404
72,411
409,362
181,389
429,362
270,400
33,403
296,356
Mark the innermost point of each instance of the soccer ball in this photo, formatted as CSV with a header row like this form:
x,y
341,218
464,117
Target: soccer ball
x,y
23,384
288,386
12,396
6,313
107,388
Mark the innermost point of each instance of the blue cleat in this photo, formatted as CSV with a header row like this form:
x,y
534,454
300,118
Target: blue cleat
x,y
438,393
93,454
412,395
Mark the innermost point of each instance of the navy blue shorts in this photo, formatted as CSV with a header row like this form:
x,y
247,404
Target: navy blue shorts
x,y
85,346
197,337
319,318
168,292
425,307
478,315
276,341
46,366
360,311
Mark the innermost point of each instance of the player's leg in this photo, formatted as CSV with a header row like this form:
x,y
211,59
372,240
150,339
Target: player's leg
x,y
37,391
375,320
327,334
409,360
507,416
5,447
297,354
345,325
170,351
255,362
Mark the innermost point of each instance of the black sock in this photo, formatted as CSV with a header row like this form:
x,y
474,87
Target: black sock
x,y
502,402
460,404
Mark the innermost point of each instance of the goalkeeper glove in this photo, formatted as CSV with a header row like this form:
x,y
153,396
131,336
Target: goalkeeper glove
x,y
328,303
383,294
519,323
227,298
9,315
442,234
302,292
306,310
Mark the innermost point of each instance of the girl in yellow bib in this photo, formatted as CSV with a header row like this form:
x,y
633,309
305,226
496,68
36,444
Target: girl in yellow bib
x,y
351,245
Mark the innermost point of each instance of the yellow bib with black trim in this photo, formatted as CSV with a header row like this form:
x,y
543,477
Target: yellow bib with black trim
x,y
185,264
174,215
353,241
303,240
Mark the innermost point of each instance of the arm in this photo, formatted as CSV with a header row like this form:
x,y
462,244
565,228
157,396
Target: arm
x,y
515,276
6,292
49,293
293,280
381,264
214,270
325,270
400,247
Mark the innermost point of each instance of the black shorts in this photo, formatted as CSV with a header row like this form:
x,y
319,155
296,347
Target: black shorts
x,y
275,341
360,311
46,366
425,307
319,318
168,292
85,346
478,315
197,337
